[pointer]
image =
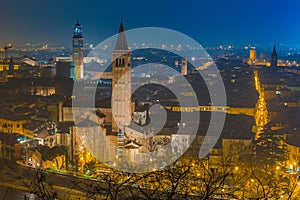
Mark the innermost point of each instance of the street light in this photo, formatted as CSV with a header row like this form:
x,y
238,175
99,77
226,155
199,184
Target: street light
x,y
222,192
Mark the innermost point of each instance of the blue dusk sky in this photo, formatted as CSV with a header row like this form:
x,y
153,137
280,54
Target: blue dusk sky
x,y
210,22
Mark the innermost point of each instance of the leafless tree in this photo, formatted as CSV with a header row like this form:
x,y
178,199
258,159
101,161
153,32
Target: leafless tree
x,y
111,185
36,183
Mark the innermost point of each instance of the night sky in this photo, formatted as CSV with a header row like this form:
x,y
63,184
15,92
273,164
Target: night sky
x,y
210,22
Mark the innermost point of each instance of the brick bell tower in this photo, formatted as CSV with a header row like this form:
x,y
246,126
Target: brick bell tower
x,y
121,68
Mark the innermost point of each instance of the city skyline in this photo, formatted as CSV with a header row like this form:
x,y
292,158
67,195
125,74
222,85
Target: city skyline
x,y
149,100
210,23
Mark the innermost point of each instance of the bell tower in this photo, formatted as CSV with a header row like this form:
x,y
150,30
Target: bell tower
x,y
274,58
121,79
77,50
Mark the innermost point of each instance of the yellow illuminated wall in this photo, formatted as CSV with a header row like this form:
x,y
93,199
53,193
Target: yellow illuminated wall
x,y
6,67
15,126
252,54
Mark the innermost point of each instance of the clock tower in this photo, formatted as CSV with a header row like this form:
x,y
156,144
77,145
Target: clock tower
x,y
77,50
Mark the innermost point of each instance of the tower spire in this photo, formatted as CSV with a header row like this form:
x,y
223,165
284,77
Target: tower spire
x,y
121,41
274,58
121,29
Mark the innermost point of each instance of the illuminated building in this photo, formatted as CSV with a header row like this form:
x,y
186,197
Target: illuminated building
x,y
140,116
252,56
8,67
77,50
133,147
274,59
293,156
121,68
29,61
184,68
5,66
14,124
34,156
39,87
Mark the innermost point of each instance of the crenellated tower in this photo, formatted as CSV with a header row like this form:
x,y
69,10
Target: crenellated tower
x,y
77,50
